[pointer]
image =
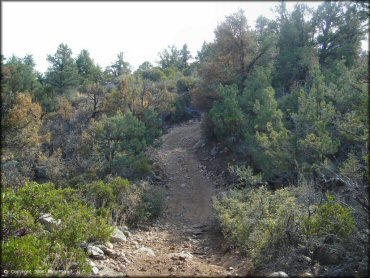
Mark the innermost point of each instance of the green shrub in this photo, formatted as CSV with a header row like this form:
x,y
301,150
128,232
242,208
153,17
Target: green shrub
x,y
79,224
39,198
245,175
153,125
98,194
331,218
26,253
143,203
28,246
141,166
184,84
118,142
227,116
258,219
152,200
208,127
263,222
122,202
182,111
14,216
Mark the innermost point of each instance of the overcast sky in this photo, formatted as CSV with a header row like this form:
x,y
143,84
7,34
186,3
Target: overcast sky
x,y
139,29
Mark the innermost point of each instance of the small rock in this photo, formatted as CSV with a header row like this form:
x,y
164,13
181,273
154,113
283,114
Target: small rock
x,y
214,151
118,236
278,274
186,245
158,178
110,252
49,222
84,245
91,263
127,233
105,249
230,268
183,185
183,255
194,231
147,251
200,226
95,270
108,245
338,272
199,144
95,252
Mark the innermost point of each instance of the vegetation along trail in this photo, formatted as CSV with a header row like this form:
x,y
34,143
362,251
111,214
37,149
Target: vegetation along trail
x,y
184,241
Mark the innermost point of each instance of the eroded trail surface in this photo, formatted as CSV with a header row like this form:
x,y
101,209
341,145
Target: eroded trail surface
x,y
184,241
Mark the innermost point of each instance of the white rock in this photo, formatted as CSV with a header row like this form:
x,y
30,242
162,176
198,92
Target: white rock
x,y
199,144
214,151
110,252
147,251
183,255
49,222
95,252
108,245
127,233
91,263
118,236
278,274
95,270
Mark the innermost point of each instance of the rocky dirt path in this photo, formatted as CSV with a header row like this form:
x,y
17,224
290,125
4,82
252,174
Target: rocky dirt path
x,y
184,241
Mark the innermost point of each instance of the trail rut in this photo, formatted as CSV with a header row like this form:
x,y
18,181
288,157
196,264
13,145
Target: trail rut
x,y
185,240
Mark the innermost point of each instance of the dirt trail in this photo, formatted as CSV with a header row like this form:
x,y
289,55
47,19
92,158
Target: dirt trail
x,y
187,225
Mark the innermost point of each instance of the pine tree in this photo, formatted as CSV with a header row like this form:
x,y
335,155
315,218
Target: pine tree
x,y
62,74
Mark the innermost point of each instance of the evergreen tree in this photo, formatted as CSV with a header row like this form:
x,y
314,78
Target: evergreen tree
x,y
185,56
340,27
120,67
87,68
63,73
295,49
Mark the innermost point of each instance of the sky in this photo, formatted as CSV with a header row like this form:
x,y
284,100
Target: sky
x,y
138,29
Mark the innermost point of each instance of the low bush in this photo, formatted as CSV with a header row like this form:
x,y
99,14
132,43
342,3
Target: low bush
x,y
183,110
262,222
123,202
30,252
245,176
152,201
331,218
25,238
